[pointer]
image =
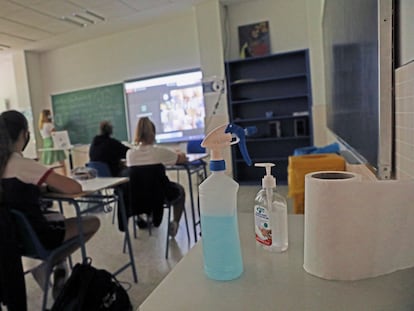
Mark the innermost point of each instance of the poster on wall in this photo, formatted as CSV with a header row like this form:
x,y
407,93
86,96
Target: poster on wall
x,y
254,40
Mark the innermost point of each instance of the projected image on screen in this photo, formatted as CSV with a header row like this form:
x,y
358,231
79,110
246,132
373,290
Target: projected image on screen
x,y
174,102
182,109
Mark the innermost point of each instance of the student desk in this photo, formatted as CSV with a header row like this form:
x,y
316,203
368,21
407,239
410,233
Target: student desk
x,y
273,281
88,195
191,167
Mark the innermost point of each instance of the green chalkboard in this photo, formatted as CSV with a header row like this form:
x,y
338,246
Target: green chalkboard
x,y
80,112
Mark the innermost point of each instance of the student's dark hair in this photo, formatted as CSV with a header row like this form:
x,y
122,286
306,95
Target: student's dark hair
x,y
15,122
106,128
5,147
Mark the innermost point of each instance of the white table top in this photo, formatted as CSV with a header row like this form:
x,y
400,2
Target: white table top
x,y
56,148
273,281
90,186
99,183
196,156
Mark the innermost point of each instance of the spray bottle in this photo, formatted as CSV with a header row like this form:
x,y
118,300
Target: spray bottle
x,y
218,206
270,214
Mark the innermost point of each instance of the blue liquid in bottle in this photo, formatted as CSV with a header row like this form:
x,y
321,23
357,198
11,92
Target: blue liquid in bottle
x,y
218,208
221,247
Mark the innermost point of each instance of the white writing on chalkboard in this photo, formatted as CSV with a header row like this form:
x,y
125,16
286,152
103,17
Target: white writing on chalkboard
x,y
80,112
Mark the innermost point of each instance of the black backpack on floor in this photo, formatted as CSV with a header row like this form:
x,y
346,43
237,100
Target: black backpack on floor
x,y
90,289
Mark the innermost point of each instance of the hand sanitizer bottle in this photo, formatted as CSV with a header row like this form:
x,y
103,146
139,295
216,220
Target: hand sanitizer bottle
x,y
270,214
218,207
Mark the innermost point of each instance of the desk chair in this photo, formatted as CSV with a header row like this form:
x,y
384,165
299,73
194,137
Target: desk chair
x,y
33,248
194,146
148,186
103,170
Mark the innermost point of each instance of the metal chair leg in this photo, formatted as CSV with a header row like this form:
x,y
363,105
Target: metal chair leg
x,y
134,225
168,232
49,269
186,226
114,213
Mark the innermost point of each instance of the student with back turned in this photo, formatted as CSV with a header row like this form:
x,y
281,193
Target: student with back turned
x,y
106,149
21,183
147,153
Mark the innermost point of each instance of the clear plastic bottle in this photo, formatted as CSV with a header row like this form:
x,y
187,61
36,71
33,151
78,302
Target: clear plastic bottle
x,y
218,206
219,227
270,214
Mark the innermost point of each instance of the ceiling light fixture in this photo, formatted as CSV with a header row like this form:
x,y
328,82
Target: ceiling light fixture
x,y
72,21
95,15
83,18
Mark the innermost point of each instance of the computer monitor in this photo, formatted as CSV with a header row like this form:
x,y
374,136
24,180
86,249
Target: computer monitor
x,y
173,101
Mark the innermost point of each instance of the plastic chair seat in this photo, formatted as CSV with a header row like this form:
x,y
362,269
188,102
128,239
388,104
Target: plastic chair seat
x,y
147,192
33,248
101,168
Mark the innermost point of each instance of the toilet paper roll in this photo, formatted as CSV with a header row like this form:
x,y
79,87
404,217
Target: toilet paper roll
x,y
355,228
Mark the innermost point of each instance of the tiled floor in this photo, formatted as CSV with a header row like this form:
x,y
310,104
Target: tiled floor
x,y
106,252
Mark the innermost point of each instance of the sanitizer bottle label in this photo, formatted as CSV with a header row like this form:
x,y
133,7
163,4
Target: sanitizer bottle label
x,y
262,226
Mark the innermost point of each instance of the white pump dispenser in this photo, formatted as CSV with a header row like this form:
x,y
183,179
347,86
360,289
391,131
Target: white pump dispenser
x,y
270,214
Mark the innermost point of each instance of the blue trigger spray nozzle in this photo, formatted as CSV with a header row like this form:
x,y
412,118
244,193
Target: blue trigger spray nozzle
x,y
241,133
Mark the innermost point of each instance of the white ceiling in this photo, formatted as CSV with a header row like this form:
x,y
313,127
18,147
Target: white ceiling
x,y
40,25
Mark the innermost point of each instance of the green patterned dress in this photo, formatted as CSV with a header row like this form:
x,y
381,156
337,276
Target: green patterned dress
x,y
50,156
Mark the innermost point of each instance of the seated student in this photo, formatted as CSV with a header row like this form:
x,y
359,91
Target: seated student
x,y
21,183
147,153
106,149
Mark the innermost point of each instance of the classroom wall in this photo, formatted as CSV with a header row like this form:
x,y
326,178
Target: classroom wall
x,y
211,47
14,91
7,82
209,19
167,45
314,20
170,44
287,23
404,122
294,24
405,34
86,64
404,93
